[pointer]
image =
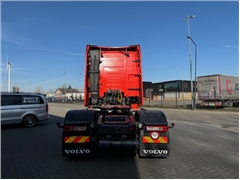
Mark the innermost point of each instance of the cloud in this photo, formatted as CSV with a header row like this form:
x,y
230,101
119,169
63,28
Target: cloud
x,y
42,49
11,32
77,54
4,46
229,46
11,41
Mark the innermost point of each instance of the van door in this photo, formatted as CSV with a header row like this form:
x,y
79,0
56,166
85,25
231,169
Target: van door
x,y
10,109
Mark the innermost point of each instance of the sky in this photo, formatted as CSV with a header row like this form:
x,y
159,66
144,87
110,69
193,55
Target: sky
x,y
46,41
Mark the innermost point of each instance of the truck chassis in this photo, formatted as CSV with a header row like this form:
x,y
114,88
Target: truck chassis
x,y
115,128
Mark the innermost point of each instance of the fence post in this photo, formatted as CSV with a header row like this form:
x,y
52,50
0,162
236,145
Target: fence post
x,y
176,97
214,92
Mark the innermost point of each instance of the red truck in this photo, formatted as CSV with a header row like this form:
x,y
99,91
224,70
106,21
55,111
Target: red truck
x,y
113,119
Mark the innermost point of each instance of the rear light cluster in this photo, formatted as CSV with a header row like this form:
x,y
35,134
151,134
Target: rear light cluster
x,y
132,127
47,108
75,128
157,128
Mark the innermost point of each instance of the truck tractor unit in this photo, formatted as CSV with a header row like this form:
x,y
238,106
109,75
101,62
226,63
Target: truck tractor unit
x,y
113,119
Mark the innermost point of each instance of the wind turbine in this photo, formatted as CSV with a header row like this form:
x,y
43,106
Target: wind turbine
x,y
9,71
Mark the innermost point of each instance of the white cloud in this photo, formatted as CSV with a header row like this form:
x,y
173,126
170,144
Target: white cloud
x,y
11,32
77,54
229,46
11,41
35,48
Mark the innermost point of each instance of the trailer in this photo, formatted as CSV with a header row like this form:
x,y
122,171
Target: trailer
x,y
218,90
113,119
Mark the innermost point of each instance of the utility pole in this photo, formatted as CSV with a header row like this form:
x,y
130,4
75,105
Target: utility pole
x,y
190,56
195,81
64,85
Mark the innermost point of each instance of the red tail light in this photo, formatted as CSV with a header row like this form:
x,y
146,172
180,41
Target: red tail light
x,y
157,128
132,127
75,128
47,108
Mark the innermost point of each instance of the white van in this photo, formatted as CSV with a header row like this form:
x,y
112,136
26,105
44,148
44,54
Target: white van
x,y
25,108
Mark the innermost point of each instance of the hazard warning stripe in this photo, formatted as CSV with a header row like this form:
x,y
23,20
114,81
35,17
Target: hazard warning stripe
x,y
77,139
148,139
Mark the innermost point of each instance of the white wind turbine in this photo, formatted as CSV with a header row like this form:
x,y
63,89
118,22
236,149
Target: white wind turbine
x,y
9,75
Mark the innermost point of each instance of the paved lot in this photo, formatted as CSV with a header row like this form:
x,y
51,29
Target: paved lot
x,y
204,144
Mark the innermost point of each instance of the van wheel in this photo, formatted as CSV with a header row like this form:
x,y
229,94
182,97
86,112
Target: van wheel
x,y
30,121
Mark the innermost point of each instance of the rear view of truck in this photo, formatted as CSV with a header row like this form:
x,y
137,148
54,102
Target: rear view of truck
x,y
218,90
113,119
113,76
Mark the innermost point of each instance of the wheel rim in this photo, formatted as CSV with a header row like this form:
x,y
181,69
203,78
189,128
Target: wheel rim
x,y
30,121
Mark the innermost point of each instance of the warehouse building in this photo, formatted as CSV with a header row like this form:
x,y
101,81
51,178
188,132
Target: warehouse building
x,y
168,90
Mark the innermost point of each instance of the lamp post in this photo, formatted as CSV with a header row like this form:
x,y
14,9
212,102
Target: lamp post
x,y
161,94
64,85
190,56
195,70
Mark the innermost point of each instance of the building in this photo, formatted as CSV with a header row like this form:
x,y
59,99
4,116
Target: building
x,y
147,89
69,94
169,90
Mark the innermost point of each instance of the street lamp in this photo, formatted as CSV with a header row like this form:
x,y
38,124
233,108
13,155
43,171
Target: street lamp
x,y
65,85
161,93
195,70
190,56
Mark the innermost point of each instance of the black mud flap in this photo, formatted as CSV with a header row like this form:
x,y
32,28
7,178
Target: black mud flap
x,y
77,142
154,149
77,149
149,147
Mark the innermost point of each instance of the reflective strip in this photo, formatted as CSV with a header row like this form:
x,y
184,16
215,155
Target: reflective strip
x,y
148,139
77,139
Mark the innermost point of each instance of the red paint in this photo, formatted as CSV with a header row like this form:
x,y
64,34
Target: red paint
x,y
229,86
117,71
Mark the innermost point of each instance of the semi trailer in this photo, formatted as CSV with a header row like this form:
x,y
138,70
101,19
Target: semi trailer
x,y
113,118
218,90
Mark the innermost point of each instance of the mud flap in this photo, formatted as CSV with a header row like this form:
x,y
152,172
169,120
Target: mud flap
x,y
77,134
149,147
153,149
77,149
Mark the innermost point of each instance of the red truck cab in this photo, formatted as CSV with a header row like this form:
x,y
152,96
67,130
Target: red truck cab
x,y
113,76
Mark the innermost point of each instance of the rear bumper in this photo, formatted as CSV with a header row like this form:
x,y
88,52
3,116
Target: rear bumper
x,y
118,145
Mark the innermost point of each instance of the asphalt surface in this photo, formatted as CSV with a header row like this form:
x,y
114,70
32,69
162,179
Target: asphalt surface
x,y
204,144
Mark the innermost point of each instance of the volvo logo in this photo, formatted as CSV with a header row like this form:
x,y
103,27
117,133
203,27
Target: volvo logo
x,y
78,151
155,151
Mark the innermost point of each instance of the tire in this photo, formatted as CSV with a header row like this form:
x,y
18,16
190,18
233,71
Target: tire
x,y
29,121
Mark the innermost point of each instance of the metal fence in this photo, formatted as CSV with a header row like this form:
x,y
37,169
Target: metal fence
x,y
64,100
148,102
163,103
